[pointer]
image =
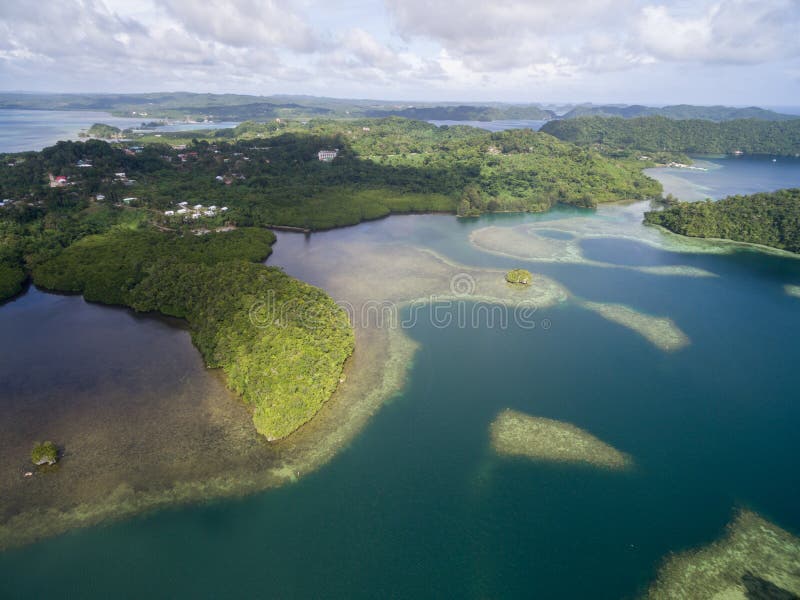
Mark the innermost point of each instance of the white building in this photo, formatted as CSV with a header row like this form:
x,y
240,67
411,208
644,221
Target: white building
x,y
327,155
169,213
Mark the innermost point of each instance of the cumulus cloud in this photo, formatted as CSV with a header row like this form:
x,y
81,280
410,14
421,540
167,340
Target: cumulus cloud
x,y
601,34
325,45
245,23
732,31
368,51
506,34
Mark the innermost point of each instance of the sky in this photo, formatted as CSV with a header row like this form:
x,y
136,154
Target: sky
x,y
733,52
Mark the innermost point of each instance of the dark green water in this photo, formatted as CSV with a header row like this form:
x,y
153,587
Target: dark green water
x,y
418,505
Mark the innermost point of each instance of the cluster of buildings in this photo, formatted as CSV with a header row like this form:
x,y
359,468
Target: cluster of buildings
x,y
195,212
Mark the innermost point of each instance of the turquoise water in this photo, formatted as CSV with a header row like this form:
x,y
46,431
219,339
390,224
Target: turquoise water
x,y
22,130
419,506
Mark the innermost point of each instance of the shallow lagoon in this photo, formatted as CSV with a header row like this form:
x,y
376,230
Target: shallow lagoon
x,y
23,130
418,504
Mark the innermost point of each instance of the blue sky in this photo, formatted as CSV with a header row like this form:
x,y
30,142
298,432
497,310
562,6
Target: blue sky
x,y
736,52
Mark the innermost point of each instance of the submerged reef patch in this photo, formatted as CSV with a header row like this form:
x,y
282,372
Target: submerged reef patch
x,y
755,559
662,332
516,434
792,290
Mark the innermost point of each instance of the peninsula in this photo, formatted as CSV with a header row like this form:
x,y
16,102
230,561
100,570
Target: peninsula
x,y
768,219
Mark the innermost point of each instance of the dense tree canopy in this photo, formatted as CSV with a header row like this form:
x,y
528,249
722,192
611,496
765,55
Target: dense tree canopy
x,y
771,219
653,134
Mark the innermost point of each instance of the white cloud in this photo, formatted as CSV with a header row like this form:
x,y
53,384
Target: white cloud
x,y
368,51
461,49
245,23
507,34
734,31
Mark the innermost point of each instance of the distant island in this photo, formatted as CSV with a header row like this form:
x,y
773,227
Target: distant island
x,y
467,113
660,134
242,107
769,219
101,130
679,111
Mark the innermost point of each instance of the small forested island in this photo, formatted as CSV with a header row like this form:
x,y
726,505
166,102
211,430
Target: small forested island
x,y
519,277
101,130
661,134
769,219
44,453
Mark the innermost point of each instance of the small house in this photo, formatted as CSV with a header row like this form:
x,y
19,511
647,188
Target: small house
x,y
327,155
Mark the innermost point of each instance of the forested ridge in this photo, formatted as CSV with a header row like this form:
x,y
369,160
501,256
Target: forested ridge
x,y
770,219
679,111
692,136
383,166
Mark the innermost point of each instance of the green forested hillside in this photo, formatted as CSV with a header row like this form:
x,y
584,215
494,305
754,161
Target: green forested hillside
x,y
771,219
384,165
679,111
465,113
653,134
